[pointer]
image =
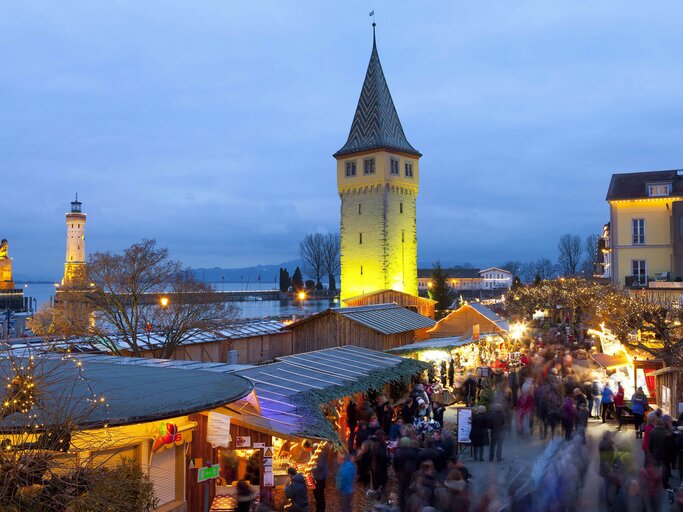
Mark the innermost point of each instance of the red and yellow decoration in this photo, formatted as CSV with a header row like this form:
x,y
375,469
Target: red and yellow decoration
x,y
168,435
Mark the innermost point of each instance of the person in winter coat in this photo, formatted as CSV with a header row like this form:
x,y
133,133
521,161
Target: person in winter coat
x,y
662,449
606,402
638,408
346,474
405,464
319,474
385,413
568,417
407,412
496,422
479,434
245,496
619,404
379,462
453,495
296,491
596,399
469,389
438,411
352,422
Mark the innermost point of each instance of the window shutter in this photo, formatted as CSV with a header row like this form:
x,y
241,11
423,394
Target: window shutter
x,y
162,474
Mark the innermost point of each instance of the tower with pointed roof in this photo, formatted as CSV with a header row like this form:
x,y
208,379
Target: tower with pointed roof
x,y
377,177
74,266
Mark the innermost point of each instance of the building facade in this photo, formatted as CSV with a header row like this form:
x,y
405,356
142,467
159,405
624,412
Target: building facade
x,y
469,279
377,177
74,266
646,228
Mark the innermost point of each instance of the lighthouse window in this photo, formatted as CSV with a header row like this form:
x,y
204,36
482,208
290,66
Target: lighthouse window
x,y
360,238
350,169
369,166
361,270
358,208
400,207
409,169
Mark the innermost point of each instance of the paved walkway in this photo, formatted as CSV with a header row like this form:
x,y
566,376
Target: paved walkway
x,y
519,455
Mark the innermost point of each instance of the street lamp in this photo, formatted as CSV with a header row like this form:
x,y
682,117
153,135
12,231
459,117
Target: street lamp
x,y
163,301
302,295
517,330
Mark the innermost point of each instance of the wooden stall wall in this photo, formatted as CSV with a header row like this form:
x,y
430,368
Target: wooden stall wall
x,y
420,305
199,494
459,322
253,350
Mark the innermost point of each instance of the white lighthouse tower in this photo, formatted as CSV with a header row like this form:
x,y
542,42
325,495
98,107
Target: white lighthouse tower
x,y
74,266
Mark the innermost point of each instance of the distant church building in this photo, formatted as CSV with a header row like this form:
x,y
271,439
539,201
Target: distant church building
x,y
377,176
74,266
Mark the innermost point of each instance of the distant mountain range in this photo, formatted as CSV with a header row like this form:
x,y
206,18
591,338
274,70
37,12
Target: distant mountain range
x,y
262,273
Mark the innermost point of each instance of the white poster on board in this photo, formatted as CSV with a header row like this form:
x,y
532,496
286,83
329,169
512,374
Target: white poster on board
x,y
218,430
464,424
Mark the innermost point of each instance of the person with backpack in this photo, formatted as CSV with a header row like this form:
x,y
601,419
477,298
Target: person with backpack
x,y
638,408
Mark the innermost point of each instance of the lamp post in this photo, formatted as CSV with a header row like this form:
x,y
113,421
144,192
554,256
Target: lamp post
x,y
302,297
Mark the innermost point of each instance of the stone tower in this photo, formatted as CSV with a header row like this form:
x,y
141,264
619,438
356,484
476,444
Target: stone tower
x,y
74,267
377,176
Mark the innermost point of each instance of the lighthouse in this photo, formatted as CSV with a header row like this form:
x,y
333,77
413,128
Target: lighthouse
x,y
74,266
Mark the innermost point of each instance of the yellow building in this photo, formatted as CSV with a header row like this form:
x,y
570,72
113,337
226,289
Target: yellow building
x,y
646,228
377,177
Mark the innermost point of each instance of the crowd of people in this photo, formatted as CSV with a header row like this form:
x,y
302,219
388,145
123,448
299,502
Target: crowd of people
x,y
545,396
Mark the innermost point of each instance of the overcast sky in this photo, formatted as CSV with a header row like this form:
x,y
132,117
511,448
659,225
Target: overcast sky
x,y
210,126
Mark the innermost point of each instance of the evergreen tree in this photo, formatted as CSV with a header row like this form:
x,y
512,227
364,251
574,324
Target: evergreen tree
x,y
537,280
297,281
441,291
285,280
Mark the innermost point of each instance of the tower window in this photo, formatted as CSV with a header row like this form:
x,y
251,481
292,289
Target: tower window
x,y
409,169
393,165
350,169
369,166
360,238
403,235
361,270
400,207
358,208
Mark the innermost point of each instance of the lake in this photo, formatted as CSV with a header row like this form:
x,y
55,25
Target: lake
x,y
43,293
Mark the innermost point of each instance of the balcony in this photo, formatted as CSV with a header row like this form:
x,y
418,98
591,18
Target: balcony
x,y
636,281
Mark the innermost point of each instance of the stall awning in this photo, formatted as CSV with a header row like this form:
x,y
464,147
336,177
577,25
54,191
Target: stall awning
x,y
292,391
609,362
434,344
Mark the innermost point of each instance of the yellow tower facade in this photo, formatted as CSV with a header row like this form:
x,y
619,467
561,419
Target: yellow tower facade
x,y
74,266
378,180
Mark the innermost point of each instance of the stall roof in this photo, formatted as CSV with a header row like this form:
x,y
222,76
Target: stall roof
x,y
609,362
490,315
292,391
433,344
383,318
133,391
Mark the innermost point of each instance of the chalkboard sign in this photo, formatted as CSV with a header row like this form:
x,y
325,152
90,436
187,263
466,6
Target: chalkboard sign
x,y
464,424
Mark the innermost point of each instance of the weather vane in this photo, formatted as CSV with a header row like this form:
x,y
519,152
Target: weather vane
x,y
372,14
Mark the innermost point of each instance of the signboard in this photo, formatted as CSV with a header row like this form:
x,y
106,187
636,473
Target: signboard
x,y
218,430
475,332
268,461
268,479
268,452
208,473
259,445
243,442
464,424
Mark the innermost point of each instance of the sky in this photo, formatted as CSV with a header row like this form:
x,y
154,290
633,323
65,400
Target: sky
x,y
210,126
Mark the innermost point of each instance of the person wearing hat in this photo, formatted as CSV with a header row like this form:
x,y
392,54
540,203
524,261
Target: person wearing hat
x,y
405,464
453,494
296,491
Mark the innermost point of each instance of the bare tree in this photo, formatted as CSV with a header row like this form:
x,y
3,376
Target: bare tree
x,y
332,263
590,263
544,268
124,295
311,251
570,249
513,266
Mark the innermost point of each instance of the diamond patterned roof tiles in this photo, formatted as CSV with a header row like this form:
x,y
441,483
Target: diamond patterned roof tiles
x,y
376,124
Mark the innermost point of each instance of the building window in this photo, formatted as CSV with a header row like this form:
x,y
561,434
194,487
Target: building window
x,y
639,271
361,270
403,235
360,238
400,207
358,208
393,164
350,169
638,226
659,190
369,166
409,169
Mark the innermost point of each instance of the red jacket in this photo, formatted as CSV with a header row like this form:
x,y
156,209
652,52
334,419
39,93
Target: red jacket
x,y
619,398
